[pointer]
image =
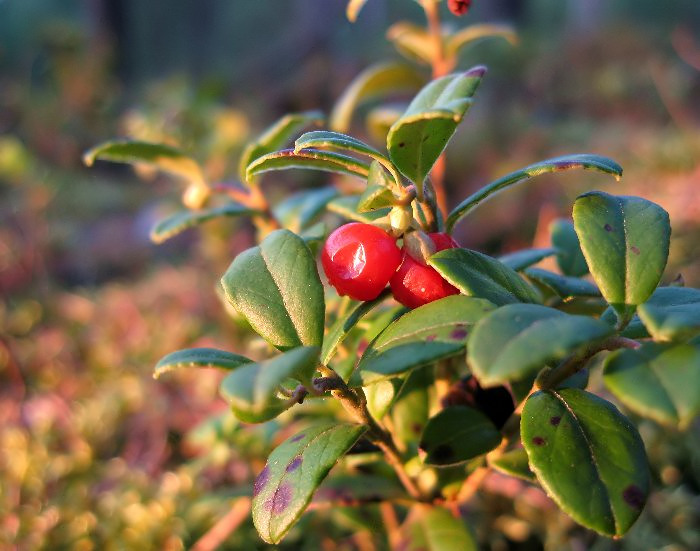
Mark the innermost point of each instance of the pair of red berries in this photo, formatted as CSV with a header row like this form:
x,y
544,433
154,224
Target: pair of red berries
x,y
360,259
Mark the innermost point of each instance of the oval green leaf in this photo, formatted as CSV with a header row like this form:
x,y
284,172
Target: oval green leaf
x,y
661,382
558,164
458,434
672,313
199,357
309,159
163,157
276,287
374,82
180,221
588,457
518,340
293,471
479,275
429,333
276,136
432,528
418,138
570,258
564,287
252,390
514,463
625,241
519,260
411,409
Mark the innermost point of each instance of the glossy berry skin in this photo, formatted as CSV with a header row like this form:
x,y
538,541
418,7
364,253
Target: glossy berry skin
x,y
414,285
359,259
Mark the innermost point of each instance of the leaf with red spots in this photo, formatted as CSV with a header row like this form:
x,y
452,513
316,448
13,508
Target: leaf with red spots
x,y
458,434
293,471
625,241
421,337
588,457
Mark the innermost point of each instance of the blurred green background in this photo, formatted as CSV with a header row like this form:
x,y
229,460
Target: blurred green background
x,y
94,454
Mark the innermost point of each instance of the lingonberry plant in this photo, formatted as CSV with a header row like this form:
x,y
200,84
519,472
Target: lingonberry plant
x,y
466,363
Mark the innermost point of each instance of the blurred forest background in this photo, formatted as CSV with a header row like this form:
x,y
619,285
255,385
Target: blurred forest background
x,y
95,454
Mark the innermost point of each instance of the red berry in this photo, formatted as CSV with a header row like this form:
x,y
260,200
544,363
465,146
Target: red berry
x,y
359,259
459,7
414,284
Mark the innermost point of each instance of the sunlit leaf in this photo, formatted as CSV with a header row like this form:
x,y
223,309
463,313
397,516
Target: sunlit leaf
x,y
569,255
434,528
353,9
309,159
182,220
412,41
298,210
347,207
563,286
672,313
199,357
475,33
519,260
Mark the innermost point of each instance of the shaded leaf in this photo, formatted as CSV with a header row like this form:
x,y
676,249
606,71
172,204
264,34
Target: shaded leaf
x,y
411,409
476,274
661,382
357,488
432,528
514,463
422,336
300,209
563,286
277,136
558,164
588,457
347,207
199,357
293,471
417,139
518,340
519,260
475,33
570,258
309,159
252,390
672,313
377,81
182,220
276,287
457,434
633,330
625,241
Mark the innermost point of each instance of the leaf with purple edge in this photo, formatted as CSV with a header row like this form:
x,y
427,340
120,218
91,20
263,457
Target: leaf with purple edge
x,y
293,471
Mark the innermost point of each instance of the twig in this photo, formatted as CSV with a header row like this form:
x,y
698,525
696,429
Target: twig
x,y
391,524
226,526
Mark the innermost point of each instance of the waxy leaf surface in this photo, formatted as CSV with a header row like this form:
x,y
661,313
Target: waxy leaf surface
x,y
661,382
199,357
418,138
293,471
563,286
428,333
518,340
478,275
569,255
625,241
588,457
457,434
310,159
252,390
276,287
672,313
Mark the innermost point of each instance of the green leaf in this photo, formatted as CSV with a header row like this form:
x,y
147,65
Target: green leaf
x,y
323,139
518,340
519,260
252,390
377,81
428,333
293,471
432,528
411,409
199,357
412,41
569,255
417,139
558,164
672,313
564,287
344,325
475,33
277,136
588,457
476,274
514,463
635,328
276,287
310,159
625,241
300,209
457,434
347,207
182,220
375,197
163,157
661,382
381,396
380,119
